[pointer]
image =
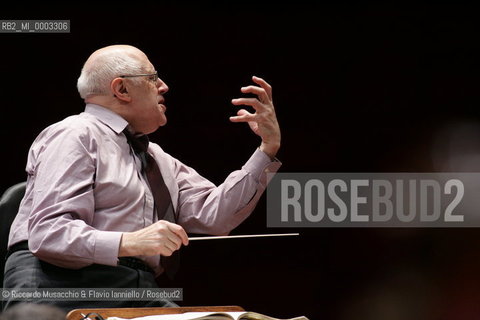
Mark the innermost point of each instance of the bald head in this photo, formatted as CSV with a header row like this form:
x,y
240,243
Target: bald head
x,y
137,97
107,63
113,51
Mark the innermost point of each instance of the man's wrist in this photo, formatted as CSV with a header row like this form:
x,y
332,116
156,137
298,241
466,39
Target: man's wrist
x,y
124,250
270,149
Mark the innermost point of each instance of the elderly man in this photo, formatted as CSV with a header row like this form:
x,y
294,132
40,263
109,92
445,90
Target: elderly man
x,y
105,209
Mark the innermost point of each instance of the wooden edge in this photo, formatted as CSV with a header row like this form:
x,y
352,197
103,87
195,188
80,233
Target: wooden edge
x,y
129,313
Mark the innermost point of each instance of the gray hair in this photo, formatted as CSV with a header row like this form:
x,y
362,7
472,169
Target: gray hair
x,y
95,77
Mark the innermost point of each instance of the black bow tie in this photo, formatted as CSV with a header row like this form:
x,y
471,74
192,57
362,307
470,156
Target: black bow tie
x,y
138,143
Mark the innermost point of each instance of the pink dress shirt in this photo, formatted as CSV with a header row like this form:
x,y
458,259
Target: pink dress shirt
x,y
85,188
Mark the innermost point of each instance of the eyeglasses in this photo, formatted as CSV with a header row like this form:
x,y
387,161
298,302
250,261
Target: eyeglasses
x,y
152,76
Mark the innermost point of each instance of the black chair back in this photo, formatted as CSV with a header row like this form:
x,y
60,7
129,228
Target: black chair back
x,y
9,203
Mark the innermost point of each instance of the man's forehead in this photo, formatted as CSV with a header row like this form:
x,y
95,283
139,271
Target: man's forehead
x,y
150,67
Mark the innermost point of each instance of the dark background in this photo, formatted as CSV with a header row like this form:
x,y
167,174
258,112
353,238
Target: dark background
x,y
358,87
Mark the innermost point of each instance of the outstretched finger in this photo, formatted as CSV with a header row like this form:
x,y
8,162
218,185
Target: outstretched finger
x,y
253,102
260,92
243,116
264,84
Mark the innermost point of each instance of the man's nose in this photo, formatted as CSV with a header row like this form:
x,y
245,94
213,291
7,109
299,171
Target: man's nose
x,y
162,86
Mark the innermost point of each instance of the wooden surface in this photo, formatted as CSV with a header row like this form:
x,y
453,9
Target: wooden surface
x,y
129,313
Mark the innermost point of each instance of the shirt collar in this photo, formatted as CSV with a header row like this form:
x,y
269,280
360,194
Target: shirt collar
x,y
106,116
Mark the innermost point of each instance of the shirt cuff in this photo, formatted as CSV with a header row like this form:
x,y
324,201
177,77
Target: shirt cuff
x,y
260,163
106,247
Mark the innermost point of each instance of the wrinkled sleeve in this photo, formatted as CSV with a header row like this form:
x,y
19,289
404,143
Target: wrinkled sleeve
x,y
63,203
206,208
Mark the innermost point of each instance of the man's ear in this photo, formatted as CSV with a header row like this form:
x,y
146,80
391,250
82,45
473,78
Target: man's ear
x,y
119,90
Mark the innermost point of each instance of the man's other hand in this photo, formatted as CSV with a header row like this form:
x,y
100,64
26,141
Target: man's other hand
x,y
161,238
264,121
